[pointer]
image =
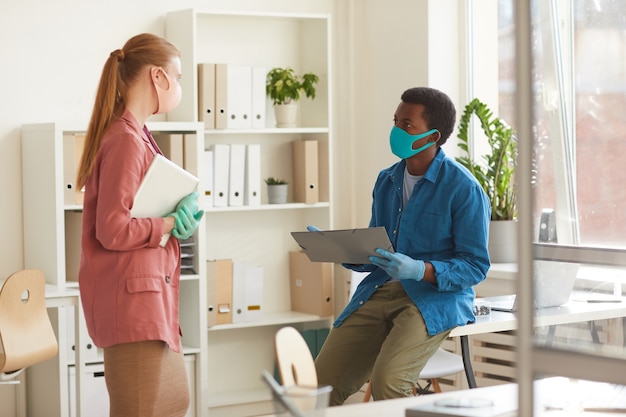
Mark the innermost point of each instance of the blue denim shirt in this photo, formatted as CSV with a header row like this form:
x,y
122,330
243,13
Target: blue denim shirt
x,y
445,222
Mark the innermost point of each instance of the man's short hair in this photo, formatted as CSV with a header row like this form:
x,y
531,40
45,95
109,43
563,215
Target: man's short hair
x,y
439,110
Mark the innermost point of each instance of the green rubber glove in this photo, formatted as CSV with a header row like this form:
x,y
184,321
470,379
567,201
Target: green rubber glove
x,y
190,201
186,222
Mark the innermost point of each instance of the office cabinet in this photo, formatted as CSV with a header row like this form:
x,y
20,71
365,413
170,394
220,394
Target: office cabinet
x,y
256,234
52,221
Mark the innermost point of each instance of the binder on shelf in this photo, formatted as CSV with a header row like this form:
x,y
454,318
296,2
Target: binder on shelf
x,y
305,171
220,291
206,94
254,292
172,147
73,228
259,97
73,145
236,173
221,96
311,285
190,159
239,97
252,186
247,292
208,178
221,162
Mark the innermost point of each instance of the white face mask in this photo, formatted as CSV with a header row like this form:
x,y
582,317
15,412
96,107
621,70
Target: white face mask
x,y
168,100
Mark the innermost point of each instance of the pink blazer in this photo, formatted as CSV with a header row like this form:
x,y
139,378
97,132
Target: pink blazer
x,y
129,285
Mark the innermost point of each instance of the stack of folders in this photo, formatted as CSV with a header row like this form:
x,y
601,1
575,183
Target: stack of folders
x,y
234,292
231,96
233,175
187,256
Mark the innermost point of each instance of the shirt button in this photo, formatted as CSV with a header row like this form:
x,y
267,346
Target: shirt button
x,y
399,210
375,286
360,302
167,279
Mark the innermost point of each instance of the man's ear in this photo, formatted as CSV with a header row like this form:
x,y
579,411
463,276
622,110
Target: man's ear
x,y
436,136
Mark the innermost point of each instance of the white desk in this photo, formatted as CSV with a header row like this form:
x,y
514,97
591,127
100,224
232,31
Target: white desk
x,y
66,297
498,321
545,390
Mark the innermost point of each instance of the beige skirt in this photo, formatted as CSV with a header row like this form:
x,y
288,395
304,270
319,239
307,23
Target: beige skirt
x,y
145,379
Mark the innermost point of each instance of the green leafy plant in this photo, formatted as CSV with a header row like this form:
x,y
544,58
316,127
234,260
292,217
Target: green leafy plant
x,y
274,181
283,85
496,174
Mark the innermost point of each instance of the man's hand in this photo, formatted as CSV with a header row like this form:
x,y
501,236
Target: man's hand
x,y
398,265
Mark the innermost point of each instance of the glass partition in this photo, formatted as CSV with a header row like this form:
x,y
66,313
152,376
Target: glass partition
x,y
567,104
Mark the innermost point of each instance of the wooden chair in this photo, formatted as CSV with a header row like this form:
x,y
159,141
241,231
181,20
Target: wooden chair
x,y
441,364
26,334
295,361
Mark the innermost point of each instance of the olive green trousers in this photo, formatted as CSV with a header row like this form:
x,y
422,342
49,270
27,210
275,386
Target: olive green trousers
x,y
385,341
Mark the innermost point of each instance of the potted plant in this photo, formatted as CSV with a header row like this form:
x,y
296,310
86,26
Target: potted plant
x,y
276,190
285,88
496,175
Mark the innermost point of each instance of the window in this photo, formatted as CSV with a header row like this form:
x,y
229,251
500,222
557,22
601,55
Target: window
x,y
578,99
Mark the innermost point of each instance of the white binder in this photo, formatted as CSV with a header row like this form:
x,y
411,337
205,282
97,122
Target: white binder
x,y
208,178
221,162
247,292
259,97
252,186
239,97
236,174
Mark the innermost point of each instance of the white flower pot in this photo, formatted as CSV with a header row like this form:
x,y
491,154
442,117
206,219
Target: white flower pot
x,y
286,115
277,194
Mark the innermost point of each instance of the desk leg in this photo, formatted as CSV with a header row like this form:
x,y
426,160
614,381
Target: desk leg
x,y
467,361
80,329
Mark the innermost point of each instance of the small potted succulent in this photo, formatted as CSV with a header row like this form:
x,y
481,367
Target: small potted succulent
x,y
284,87
276,190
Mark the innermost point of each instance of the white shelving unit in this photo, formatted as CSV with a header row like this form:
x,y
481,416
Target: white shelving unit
x,y
51,243
258,235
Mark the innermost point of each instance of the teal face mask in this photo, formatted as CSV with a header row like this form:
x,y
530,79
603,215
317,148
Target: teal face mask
x,y
402,143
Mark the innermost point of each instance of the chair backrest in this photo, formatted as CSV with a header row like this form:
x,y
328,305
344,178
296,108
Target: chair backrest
x,y
26,334
295,361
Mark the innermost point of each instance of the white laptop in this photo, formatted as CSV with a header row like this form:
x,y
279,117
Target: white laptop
x,y
554,282
163,186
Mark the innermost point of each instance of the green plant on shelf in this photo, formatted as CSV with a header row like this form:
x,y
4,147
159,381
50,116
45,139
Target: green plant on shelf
x,y
275,181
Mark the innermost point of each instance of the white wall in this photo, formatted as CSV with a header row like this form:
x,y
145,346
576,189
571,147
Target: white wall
x,y
53,52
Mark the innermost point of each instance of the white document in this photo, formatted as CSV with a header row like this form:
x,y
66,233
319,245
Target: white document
x,y
163,186
259,97
236,173
252,187
239,97
208,178
221,162
352,246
